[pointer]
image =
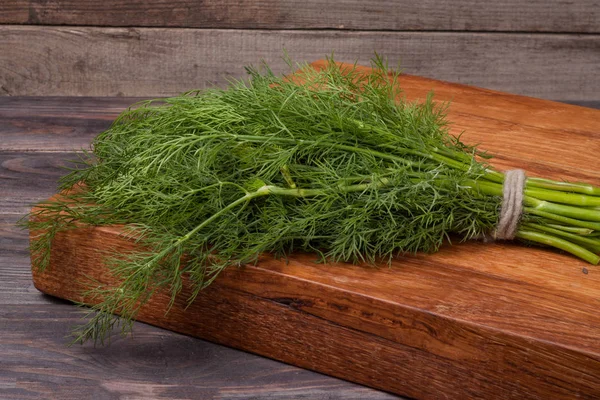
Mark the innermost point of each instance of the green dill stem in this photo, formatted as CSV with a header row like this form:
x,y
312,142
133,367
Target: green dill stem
x,y
561,209
452,158
559,243
571,229
285,171
576,187
275,190
579,213
565,220
581,200
299,192
463,162
454,162
489,175
592,244
247,197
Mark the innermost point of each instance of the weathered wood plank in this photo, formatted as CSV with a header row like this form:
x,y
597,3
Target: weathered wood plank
x,y
27,178
47,124
588,104
36,363
467,15
158,62
16,285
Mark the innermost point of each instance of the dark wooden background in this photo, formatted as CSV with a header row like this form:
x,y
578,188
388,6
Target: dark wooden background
x,y
548,49
541,48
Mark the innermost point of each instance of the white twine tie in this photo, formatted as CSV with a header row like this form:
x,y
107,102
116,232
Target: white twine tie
x,y
512,205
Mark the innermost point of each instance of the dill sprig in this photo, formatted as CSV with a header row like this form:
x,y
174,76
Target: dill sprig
x,y
334,163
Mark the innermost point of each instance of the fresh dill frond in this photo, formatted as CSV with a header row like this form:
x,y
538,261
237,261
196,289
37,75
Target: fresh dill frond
x,y
332,161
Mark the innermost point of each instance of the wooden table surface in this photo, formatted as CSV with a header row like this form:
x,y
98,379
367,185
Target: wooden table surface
x,y
37,135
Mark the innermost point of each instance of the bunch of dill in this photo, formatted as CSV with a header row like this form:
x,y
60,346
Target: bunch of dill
x,y
332,163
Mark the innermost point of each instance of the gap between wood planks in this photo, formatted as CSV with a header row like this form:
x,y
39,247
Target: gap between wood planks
x,y
317,30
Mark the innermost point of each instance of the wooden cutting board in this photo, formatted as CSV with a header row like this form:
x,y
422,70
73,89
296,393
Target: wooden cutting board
x,y
476,320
